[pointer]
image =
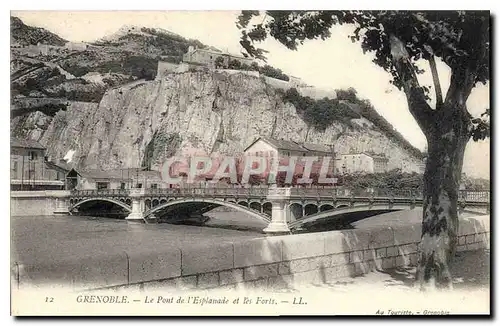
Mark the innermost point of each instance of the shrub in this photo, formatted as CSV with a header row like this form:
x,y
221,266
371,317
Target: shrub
x,y
234,64
321,113
273,73
219,62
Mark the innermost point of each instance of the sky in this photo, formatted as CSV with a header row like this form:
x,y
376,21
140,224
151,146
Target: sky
x,y
331,64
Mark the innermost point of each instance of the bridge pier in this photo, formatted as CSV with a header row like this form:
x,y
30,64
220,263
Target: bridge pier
x,y
136,195
61,198
279,197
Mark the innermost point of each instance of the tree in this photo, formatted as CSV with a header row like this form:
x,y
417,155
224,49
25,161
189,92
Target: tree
x,y
399,39
234,64
219,62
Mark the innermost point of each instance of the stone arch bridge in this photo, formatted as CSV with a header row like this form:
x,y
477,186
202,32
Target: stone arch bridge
x,y
281,208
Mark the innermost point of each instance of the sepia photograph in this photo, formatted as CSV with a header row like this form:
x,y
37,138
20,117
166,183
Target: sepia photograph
x,y
250,163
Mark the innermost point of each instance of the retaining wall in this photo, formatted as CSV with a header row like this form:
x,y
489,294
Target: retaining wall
x,y
35,203
271,262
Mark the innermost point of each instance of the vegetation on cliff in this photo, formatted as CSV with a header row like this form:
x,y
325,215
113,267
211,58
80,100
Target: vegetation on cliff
x,y
28,35
265,70
49,82
320,114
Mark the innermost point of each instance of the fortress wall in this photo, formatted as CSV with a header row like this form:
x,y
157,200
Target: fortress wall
x,y
263,263
317,93
244,72
165,68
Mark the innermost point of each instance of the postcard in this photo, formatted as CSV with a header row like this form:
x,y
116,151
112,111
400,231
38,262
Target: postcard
x,y
250,163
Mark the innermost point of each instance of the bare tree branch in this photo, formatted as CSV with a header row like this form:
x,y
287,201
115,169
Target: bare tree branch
x,y
437,84
461,83
417,104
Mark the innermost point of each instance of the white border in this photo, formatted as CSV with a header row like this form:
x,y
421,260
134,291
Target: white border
x,y
181,5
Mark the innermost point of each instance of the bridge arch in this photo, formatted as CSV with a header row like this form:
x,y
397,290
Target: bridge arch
x,y
155,203
310,209
128,208
267,208
296,211
180,202
255,205
243,203
147,203
326,207
342,209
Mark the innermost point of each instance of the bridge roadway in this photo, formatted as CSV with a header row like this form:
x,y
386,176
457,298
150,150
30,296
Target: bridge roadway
x,y
281,208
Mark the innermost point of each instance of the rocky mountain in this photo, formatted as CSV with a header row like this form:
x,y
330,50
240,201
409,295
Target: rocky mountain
x,y
42,66
23,34
145,122
101,102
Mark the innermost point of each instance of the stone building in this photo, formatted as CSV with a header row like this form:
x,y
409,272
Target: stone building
x,y
357,163
76,46
264,146
413,166
31,170
207,57
126,178
379,163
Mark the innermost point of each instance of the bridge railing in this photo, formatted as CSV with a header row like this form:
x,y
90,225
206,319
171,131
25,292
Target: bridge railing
x,y
209,191
100,192
474,196
346,192
316,192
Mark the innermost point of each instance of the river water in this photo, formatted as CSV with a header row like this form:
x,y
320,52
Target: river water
x,y
42,238
38,238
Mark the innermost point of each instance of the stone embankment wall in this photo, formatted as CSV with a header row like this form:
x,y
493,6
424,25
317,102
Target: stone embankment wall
x,y
263,263
35,203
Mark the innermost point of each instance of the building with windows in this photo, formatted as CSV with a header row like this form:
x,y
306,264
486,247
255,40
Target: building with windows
x,y
269,147
207,57
282,149
126,178
357,163
364,162
379,163
30,169
413,166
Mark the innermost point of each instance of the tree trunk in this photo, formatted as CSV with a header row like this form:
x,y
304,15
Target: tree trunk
x,y
446,147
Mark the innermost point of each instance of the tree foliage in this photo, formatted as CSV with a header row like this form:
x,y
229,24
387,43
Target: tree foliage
x,y
397,40
459,38
394,179
265,70
320,114
219,62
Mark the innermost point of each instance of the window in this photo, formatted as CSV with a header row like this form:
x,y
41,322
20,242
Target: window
x,y
139,185
154,186
122,185
102,185
32,155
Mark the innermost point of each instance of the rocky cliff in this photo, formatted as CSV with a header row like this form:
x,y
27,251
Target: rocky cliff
x,y
144,122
